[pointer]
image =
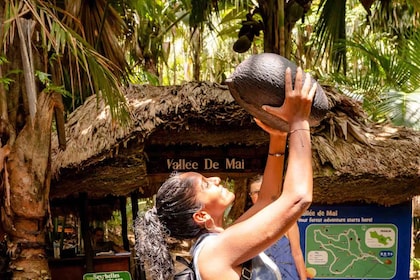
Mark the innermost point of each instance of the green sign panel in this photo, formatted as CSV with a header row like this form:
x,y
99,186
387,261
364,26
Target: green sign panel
x,y
355,251
114,275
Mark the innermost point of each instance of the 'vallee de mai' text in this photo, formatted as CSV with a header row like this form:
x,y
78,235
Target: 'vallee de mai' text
x,y
206,164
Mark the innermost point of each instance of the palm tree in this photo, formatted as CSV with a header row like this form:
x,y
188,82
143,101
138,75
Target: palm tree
x,y
51,50
275,18
348,42
386,76
376,61
152,22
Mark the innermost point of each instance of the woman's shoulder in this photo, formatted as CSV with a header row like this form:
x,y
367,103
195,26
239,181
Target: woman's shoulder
x,y
196,249
202,239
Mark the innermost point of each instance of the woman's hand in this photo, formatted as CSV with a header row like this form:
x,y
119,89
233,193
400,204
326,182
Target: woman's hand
x,y
269,129
278,138
298,101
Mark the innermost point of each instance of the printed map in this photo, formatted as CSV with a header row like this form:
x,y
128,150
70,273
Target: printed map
x,y
351,251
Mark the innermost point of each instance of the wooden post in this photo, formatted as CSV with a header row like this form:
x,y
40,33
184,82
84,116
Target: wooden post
x,y
135,204
124,224
84,225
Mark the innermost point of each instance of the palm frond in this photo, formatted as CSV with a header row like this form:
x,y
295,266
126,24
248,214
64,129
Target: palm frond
x,y
329,31
201,10
395,65
101,26
410,54
82,68
359,85
403,109
102,78
385,74
394,17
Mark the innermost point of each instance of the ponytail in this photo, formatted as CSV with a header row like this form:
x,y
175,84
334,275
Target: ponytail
x,y
151,246
172,217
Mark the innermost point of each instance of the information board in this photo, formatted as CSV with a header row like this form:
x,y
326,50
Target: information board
x,y
357,241
113,275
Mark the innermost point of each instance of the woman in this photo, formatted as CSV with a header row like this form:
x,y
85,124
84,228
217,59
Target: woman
x,y
286,252
189,205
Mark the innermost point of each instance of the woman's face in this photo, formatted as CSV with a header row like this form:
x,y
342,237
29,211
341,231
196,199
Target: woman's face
x,y
214,197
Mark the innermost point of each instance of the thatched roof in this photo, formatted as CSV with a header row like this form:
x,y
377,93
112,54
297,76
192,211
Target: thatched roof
x,y
354,160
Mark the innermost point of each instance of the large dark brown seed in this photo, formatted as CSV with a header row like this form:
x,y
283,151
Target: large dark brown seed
x,y
260,80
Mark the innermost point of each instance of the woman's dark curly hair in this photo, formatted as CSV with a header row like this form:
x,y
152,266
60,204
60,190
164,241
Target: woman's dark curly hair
x,y
171,217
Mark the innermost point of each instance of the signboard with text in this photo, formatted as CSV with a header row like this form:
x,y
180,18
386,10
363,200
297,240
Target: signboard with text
x,y
357,241
189,158
113,275
204,164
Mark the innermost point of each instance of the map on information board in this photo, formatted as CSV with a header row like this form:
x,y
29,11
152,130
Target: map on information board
x,y
351,251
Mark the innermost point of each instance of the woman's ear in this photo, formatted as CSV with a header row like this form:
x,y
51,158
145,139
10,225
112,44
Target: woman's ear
x,y
200,217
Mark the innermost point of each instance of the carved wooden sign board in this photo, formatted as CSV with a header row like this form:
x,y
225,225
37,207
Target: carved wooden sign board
x,y
184,158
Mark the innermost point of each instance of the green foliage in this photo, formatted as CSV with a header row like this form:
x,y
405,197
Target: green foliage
x,y
49,87
4,79
383,62
154,21
370,54
403,109
385,73
65,52
230,185
144,204
416,263
329,31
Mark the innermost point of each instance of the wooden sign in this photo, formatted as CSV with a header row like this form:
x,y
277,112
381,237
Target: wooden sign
x,y
113,275
187,158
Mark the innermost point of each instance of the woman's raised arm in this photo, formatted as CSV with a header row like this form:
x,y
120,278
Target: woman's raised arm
x,y
221,258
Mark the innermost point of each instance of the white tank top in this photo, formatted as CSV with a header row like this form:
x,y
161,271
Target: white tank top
x,y
263,268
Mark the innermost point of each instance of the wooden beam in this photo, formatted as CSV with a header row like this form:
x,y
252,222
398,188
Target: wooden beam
x,y
124,224
84,224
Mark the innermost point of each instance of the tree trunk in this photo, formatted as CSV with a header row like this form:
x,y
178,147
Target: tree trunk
x,y
196,39
25,210
272,28
279,18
